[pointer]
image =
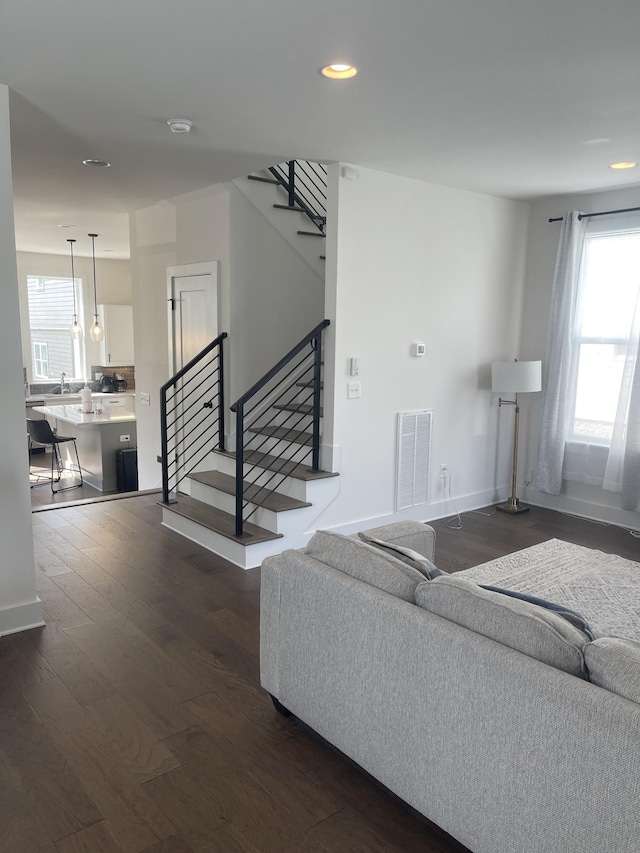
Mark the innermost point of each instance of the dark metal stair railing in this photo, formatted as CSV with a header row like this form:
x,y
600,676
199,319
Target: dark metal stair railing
x,y
306,187
192,415
256,410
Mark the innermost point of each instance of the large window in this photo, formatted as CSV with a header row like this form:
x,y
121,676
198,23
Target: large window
x,y
51,308
607,296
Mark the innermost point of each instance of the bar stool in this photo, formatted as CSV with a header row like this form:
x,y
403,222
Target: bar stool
x,y
40,432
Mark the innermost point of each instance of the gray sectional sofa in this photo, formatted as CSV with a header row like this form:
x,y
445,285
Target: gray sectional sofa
x,y
502,722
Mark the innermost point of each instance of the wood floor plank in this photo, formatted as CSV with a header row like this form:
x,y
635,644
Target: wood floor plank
x,y
94,839
60,607
175,844
131,606
54,792
147,697
131,816
141,753
21,663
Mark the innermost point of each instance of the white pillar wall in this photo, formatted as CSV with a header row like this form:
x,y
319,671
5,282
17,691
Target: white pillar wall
x,y
20,607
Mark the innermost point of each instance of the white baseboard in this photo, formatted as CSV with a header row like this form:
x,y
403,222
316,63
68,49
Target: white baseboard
x,y
21,617
584,509
429,512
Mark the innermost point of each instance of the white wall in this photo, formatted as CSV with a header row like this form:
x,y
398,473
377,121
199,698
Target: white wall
x,y
113,287
410,261
19,605
276,297
579,498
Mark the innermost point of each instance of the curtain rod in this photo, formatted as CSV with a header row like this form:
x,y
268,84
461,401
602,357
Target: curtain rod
x,y
600,213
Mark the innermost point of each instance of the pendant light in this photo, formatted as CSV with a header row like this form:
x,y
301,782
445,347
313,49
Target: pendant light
x,y
75,329
96,331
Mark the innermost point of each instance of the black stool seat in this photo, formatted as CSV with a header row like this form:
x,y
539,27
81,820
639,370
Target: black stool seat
x,y
40,432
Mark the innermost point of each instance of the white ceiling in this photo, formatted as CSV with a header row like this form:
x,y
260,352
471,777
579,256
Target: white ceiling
x,y
518,98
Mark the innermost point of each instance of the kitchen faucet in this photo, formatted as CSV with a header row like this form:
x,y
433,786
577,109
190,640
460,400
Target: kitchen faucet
x,y
62,376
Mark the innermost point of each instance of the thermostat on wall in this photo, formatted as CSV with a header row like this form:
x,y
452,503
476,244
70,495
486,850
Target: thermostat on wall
x,y
418,349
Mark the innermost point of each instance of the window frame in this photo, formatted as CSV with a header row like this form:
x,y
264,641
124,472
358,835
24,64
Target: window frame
x,y
78,347
596,229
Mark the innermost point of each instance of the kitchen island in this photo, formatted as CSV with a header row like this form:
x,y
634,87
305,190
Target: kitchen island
x,y
98,437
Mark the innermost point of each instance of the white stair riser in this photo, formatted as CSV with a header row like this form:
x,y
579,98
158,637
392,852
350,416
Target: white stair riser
x,y
244,556
290,486
278,447
277,522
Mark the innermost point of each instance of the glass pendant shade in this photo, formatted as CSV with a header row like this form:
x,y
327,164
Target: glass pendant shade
x,y
96,331
75,329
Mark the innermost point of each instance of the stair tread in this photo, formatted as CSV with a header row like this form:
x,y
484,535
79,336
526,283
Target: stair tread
x,y
308,384
297,470
220,522
311,233
300,408
288,207
263,180
285,434
269,499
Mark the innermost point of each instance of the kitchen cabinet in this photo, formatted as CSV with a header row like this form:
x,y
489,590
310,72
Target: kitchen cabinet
x,y
116,347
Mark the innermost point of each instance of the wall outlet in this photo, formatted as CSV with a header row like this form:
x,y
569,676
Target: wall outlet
x,y
125,438
353,390
444,470
145,399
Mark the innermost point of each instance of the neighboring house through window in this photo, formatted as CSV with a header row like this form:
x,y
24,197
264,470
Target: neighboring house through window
x,y
51,308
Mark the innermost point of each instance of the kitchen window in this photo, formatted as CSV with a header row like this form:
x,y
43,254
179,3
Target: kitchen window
x,y
51,309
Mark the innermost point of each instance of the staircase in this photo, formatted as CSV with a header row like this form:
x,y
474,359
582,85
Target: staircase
x,y
258,499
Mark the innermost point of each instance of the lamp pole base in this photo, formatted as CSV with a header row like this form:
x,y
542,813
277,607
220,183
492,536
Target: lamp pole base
x,y
512,506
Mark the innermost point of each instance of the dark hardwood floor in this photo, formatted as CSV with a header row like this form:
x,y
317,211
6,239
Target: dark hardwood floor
x,y
134,721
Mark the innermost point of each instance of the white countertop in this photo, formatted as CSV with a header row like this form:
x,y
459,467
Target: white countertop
x,y
72,414
34,399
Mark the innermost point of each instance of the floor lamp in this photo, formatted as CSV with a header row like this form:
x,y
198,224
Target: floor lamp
x,y
515,377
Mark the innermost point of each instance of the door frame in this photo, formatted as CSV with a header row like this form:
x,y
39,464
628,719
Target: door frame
x,y
206,268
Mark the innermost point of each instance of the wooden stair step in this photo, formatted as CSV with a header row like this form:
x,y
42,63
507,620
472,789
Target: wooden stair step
x,y
255,494
299,408
284,434
297,470
288,207
311,233
263,180
308,384
220,522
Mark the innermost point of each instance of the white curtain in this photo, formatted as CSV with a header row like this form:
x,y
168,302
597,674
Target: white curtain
x,y
557,365
622,467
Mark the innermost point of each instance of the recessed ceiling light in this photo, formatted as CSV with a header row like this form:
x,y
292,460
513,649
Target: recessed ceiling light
x,y
100,164
66,226
338,71
628,165
180,125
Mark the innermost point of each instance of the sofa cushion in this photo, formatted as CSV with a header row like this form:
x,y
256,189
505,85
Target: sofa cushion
x,y
366,563
614,664
407,555
522,626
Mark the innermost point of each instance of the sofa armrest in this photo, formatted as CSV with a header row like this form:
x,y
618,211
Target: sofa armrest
x,y
416,535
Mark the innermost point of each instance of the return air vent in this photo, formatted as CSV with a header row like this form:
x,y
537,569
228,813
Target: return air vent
x,y
413,459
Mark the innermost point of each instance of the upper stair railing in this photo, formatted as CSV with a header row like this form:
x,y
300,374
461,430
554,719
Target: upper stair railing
x,y
278,409
192,415
306,186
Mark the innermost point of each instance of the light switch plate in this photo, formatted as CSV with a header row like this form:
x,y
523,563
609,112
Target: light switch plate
x,y
145,399
353,390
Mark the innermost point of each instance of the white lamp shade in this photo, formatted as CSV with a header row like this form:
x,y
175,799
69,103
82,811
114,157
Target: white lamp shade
x,y
516,377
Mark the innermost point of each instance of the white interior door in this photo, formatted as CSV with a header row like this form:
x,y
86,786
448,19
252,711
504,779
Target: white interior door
x,y
193,311
193,324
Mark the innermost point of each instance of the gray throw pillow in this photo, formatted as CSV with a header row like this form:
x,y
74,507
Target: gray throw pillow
x,y
522,626
366,563
407,555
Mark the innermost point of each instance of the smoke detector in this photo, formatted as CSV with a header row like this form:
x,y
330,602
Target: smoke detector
x,y
180,125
